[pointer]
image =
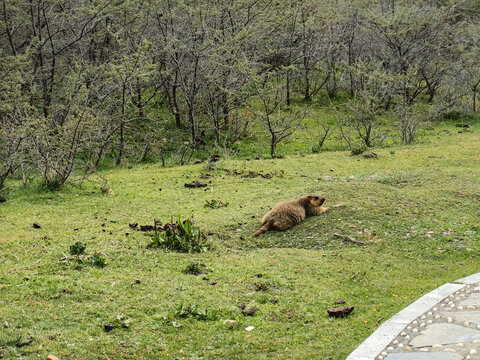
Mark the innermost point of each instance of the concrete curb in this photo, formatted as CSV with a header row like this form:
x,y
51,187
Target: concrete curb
x,y
390,329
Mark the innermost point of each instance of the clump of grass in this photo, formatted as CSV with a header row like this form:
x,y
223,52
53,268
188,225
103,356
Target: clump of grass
x,y
181,237
215,204
97,260
261,287
185,311
77,249
195,268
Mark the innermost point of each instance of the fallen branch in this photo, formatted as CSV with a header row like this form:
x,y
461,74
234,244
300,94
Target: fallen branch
x,y
349,238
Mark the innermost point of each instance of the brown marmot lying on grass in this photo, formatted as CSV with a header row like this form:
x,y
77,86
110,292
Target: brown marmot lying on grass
x,y
285,214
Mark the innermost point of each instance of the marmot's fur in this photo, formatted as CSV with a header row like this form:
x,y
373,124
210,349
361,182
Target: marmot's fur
x,y
285,214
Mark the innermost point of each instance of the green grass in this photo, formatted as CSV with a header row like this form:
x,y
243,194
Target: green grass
x,y
416,207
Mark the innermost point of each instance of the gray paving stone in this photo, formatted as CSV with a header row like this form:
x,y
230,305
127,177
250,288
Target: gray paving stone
x,y
441,333
424,356
472,316
470,280
386,332
473,299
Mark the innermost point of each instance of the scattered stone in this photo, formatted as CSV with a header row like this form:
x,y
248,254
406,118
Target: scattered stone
x,y
423,325
195,184
109,327
339,302
408,348
390,348
415,331
250,312
437,346
460,308
460,345
429,322
466,323
437,317
340,311
430,313
147,228
449,320
471,307
249,328
36,225
229,321
6,325
110,192
473,352
435,309
424,350
403,333
52,357
395,342
449,350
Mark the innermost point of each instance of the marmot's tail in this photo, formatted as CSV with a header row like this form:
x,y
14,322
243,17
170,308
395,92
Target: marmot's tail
x,y
268,225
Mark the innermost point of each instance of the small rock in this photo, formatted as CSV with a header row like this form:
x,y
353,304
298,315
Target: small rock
x,y
437,317
249,328
429,322
395,342
109,327
408,348
229,321
449,319
466,323
384,353
415,331
460,308
340,311
423,325
6,325
36,225
437,346
390,348
110,192
424,350
473,352
459,344
250,312
52,357
449,350
339,302
403,333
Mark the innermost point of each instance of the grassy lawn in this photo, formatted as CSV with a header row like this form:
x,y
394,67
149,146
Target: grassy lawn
x,y
416,207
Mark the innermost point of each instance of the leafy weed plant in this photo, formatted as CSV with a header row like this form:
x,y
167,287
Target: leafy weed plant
x,y
215,204
181,237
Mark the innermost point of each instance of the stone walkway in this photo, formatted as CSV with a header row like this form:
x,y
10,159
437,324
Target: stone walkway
x,y
442,325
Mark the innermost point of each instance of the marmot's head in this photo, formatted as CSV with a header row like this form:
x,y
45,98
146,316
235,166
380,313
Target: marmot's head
x,y
316,200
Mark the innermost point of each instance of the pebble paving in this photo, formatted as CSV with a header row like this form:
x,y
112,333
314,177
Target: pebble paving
x,y
449,330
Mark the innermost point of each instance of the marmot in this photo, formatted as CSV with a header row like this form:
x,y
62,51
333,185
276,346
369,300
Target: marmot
x,y
285,214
